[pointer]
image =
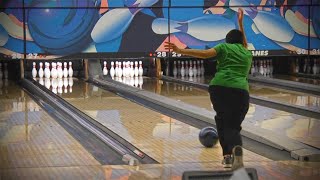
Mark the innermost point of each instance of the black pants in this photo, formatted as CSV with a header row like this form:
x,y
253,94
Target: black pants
x,y
231,106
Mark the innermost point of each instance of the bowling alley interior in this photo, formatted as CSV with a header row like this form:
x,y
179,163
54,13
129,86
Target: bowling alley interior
x,y
89,91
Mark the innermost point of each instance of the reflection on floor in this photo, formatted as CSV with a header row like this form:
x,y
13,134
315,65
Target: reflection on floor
x,y
297,127
30,138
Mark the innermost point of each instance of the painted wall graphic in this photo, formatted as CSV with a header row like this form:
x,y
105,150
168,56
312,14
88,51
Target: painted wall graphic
x,y
139,28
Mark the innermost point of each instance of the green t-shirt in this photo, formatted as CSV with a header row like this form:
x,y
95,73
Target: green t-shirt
x,y
233,65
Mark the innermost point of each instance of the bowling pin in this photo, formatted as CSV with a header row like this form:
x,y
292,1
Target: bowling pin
x,y
195,70
40,72
270,25
34,70
261,68
53,70
175,71
65,70
116,21
131,69
59,70
136,69
117,69
70,70
140,68
187,68
252,71
182,70
112,71
314,68
190,70
198,68
206,28
202,68
105,70
120,70
179,68
46,70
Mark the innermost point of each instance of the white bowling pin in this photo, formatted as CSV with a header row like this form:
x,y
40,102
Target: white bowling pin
x,y
59,70
175,70
131,69
116,73
261,68
120,72
65,70
41,72
140,68
47,70
202,68
34,70
190,70
70,70
105,70
270,25
183,72
112,71
314,67
136,69
186,69
54,73
203,28
195,70
198,68
252,70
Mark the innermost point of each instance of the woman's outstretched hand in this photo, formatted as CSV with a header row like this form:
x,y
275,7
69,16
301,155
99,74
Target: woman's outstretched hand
x,y
171,47
240,15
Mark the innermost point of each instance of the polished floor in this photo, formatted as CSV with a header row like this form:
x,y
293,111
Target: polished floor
x,y
301,128
35,146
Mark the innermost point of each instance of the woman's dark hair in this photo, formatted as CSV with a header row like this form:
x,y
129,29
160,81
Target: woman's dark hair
x,y
234,36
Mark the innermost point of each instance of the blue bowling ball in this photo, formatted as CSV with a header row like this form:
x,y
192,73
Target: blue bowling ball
x,y
208,136
59,29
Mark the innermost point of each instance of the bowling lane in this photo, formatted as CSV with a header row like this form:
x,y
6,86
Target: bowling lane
x,y
31,139
297,127
297,79
275,94
165,139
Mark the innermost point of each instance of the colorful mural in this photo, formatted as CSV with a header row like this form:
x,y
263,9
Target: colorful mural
x,y
45,29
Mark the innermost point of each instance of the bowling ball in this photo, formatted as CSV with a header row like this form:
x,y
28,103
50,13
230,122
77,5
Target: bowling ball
x,y
208,136
62,30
